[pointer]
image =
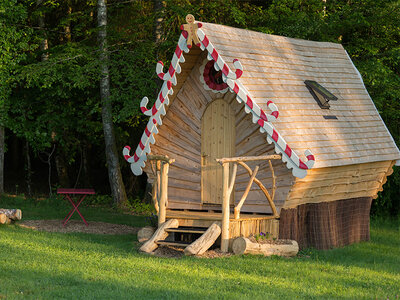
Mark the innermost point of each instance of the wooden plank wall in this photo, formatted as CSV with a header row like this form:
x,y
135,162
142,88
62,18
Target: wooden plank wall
x,y
180,138
252,227
337,183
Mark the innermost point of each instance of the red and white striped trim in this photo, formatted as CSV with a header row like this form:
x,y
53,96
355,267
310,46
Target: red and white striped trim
x,y
264,121
137,161
220,63
231,78
177,58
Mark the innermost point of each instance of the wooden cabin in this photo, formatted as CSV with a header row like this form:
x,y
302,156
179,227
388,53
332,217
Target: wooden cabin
x,y
240,121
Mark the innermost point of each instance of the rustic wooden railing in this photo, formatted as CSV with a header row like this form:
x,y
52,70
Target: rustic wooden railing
x,y
228,183
160,167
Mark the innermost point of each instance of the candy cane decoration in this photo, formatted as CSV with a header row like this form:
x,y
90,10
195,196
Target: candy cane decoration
x,y
219,62
288,156
137,161
281,147
176,60
231,78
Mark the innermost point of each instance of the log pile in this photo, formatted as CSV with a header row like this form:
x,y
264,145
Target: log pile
x,y
9,215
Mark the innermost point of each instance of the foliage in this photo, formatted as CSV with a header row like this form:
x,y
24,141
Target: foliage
x,y
262,236
13,43
56,101
152,220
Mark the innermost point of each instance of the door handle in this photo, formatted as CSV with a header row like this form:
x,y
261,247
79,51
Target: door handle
x,y
203,158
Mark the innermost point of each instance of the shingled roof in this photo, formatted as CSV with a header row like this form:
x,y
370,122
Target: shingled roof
x,y
275,68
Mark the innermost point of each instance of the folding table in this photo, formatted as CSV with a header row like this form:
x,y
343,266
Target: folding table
x,y
68,194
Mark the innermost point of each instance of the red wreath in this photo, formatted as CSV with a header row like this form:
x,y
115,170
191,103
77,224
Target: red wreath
x,y
213,78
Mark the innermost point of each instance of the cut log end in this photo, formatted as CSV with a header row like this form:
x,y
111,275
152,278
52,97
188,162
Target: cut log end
x,y
3,219
243,245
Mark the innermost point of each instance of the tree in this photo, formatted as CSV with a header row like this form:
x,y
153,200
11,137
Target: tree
x,y
114,171
13,41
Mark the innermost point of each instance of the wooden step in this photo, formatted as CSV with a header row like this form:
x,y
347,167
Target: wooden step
x,y
187,230
172,243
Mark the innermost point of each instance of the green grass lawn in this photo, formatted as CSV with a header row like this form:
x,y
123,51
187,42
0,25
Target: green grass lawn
x,y
41,265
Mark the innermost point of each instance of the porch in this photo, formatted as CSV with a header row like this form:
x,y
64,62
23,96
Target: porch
x,y
233,222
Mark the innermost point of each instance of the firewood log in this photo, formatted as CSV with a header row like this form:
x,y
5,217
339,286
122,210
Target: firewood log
x,y
203,243
243,245
13,214
4,219
160,234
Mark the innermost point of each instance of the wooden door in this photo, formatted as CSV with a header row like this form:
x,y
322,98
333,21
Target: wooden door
x,y
217,141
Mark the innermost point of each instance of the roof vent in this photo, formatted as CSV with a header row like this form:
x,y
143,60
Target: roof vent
x,y
320,94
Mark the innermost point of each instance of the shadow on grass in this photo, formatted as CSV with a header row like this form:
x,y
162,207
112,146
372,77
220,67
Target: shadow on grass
x,y
55,265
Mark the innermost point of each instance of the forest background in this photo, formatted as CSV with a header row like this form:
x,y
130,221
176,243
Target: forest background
x,y
55,56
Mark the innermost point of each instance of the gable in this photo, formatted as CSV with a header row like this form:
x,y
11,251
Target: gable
x,y
275,69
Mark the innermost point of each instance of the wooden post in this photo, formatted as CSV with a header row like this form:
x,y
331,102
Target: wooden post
x,y
246,192
163,193
225,209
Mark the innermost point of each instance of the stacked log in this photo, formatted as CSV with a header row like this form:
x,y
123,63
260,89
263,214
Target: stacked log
x,y
9,215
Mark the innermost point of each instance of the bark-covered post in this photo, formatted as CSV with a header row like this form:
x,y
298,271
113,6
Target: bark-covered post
x,y
159,12
114,171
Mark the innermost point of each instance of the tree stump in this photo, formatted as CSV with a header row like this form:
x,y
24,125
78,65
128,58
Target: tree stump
x,y
243,245
203,243
145,234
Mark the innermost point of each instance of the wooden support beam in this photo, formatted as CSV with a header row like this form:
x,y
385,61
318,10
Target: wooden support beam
x,y
262,187
163,158
225,208
232,181
163,193
158,183
273,180
247,158
246,192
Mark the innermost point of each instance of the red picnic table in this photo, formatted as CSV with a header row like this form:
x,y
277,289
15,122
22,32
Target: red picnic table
x,y
68,194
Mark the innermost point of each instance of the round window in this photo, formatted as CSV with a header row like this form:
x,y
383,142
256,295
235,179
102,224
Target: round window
x,y
212,78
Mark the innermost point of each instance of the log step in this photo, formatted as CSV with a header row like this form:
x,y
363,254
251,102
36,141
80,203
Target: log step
x,y
187,230
172,243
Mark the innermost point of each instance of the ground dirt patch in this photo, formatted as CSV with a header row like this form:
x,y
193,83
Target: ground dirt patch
x,y
176,252
78,226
